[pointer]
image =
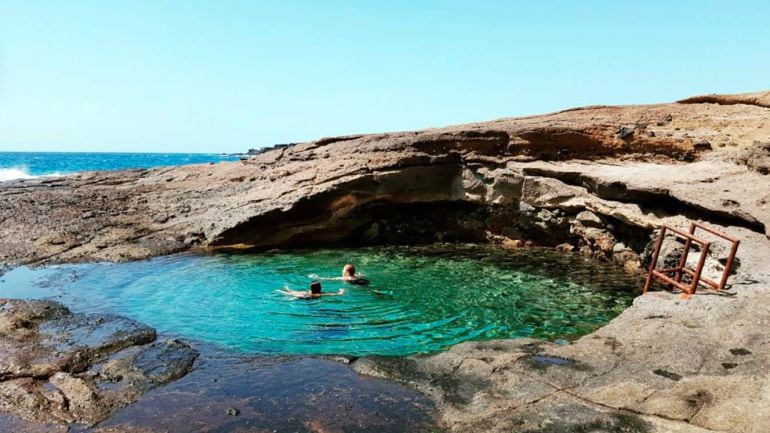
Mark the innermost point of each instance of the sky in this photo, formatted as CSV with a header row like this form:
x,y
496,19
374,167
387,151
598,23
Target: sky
x,y
226,76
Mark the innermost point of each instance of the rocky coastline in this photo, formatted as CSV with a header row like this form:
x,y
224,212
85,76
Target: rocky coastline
x,y
596,180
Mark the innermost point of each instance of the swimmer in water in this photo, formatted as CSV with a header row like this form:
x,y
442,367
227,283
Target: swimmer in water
x,y
314,292
349,275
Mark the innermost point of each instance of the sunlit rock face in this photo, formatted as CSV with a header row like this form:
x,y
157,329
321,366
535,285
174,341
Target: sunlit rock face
x,y
523,179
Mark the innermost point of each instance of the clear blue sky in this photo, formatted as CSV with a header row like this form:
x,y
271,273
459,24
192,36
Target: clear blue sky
x,y
226,75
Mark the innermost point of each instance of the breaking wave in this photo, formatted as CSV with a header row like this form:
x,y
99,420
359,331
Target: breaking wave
x,y
13,173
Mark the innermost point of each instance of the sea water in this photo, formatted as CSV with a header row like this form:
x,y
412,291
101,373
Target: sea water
x,y
26,165
419,300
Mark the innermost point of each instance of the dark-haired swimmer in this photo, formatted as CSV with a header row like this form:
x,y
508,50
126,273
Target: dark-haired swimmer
x,y
314,292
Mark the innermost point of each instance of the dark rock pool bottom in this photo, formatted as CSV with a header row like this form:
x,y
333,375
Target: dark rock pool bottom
x,y
251,375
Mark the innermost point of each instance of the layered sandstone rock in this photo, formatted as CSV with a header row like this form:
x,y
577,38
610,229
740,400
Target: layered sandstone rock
x,y
760,99
456,182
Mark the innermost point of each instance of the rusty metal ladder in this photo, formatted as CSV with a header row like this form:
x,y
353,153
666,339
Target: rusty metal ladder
x,y
677,272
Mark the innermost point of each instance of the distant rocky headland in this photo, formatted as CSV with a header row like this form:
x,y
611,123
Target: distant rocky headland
x,y
594,180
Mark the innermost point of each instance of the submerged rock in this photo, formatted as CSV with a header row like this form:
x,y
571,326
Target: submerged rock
x,y
145,367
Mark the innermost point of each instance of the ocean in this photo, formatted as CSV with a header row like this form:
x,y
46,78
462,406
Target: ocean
x,y
27,165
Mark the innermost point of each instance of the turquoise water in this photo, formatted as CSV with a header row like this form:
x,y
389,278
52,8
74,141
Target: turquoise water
x,y
21,165
420,300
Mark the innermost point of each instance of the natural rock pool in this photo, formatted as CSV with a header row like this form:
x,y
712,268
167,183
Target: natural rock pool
x,y
420,299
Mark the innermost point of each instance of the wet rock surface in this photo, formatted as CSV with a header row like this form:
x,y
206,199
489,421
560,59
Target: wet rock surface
x,y
597,180
229,393
61,367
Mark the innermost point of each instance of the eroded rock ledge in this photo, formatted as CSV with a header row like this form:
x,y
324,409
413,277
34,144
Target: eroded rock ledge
x,y
760,99
462,182
61,367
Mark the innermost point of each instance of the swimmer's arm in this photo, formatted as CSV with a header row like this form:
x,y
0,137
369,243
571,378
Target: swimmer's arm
x,y
316,277
339,292
289,292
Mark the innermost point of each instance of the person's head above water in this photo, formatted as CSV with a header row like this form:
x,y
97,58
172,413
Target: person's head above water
x,y
315,288
349,274
349,271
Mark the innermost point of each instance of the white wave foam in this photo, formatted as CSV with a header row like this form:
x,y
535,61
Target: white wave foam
x,y
15,173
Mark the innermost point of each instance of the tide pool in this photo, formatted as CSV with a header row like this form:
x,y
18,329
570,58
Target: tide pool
x,y
420,299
